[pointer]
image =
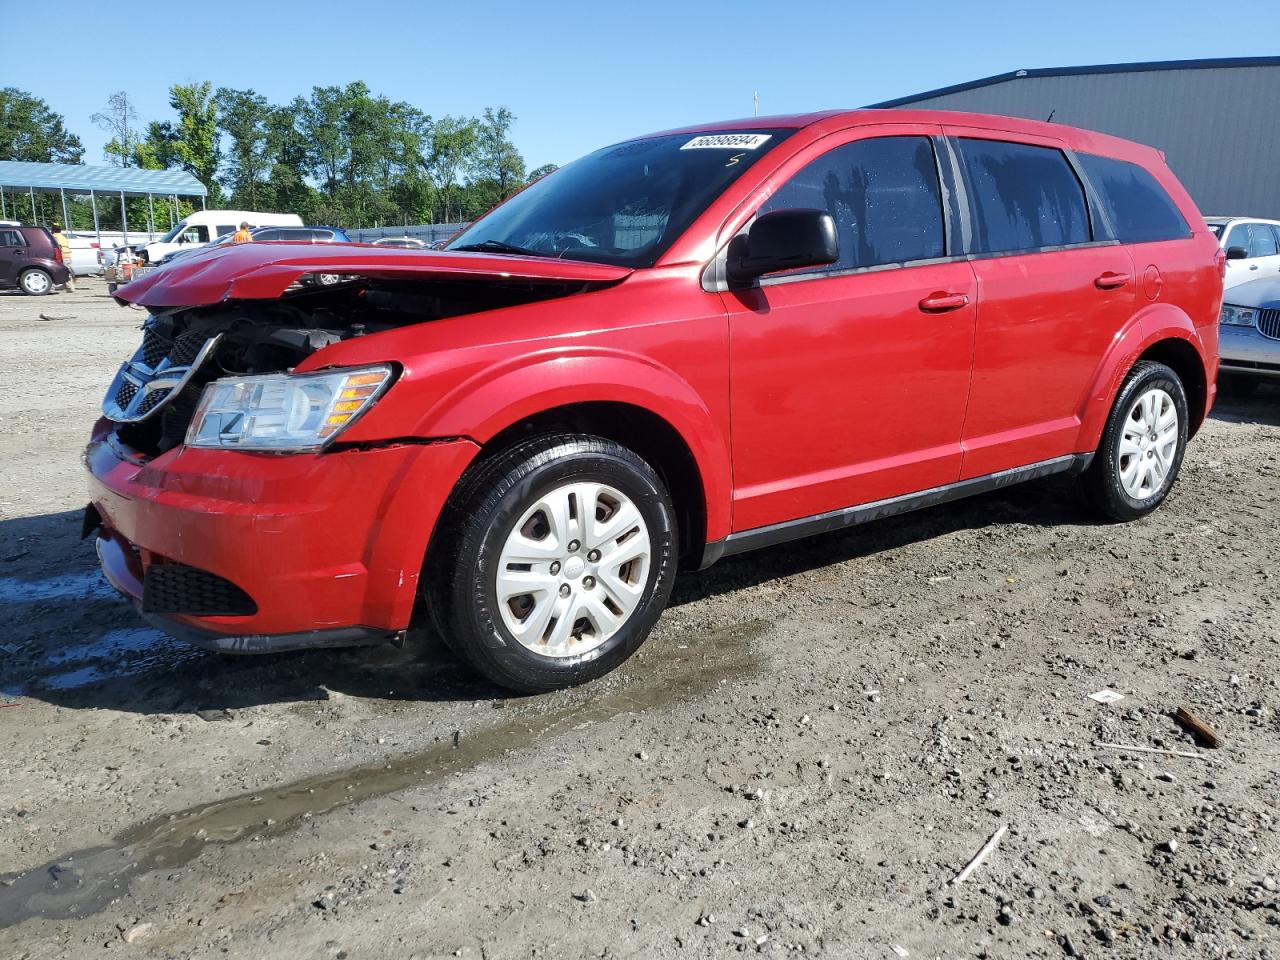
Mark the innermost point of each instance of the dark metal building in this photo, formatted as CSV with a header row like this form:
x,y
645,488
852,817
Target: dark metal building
x,y
1215,120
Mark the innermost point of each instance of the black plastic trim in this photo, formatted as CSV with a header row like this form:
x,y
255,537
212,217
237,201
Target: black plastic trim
x,y
273,642
852,516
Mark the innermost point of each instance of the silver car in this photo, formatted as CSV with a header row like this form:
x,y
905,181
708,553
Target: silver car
x,y
1249,344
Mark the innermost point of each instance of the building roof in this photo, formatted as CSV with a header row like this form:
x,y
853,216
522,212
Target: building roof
x,y
1147,67
82,179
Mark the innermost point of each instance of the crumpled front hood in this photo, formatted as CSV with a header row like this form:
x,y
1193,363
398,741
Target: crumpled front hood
x,y
264,271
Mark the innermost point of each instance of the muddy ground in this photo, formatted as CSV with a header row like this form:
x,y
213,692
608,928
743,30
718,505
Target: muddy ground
x,y
814,742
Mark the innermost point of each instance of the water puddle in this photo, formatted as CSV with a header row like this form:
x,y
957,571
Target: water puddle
x,y
84,882
90,585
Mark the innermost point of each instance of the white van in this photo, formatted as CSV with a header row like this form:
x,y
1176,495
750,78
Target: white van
x,y
207,225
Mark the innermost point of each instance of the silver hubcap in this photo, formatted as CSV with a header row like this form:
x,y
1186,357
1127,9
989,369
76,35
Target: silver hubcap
x,y
35,282
573,569
1148,444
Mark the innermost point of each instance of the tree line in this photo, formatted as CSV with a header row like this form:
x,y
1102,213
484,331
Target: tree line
x,y
341,155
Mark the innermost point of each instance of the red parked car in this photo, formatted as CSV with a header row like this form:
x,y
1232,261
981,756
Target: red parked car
x,y
680,347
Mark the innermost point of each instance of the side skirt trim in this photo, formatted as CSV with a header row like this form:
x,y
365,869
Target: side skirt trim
x,y
852,516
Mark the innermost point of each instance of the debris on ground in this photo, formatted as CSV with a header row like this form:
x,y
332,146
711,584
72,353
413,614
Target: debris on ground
x,y
1197,727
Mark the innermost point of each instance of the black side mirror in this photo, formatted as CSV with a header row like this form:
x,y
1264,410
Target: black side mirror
x,y
1237,253
783,240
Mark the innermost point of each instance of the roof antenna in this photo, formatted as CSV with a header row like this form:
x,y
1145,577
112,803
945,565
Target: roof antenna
x,y
1049,118
755,100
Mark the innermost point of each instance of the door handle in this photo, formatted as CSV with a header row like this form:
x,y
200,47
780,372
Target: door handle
x,y
1110,281
1253,266
941,302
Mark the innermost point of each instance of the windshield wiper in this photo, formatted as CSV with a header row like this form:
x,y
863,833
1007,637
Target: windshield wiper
x,y
498,246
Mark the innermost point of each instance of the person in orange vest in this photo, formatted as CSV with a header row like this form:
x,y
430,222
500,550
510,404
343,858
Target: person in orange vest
x,y
242,235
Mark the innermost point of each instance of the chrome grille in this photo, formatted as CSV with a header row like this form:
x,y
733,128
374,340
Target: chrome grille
x,y
145,385
1269,323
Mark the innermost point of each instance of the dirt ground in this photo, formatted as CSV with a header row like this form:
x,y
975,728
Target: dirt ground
x,y
814,742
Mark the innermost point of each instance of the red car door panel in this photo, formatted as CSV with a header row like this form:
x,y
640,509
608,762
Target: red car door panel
x,y
848,382
1044,320
845,391
1052,293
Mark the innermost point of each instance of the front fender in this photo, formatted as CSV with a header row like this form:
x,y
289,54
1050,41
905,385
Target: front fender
x,y
498,396
1149,326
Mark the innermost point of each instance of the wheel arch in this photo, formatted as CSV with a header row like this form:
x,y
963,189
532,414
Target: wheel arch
x,y
1162,333
638,428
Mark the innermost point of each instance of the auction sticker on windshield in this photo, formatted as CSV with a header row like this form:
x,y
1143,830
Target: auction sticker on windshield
x,y
727,141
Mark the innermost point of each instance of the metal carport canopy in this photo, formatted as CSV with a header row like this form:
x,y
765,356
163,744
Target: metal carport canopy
x,y
78,178
64,178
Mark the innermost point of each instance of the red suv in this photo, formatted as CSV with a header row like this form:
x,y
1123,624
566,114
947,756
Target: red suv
x,y
680,347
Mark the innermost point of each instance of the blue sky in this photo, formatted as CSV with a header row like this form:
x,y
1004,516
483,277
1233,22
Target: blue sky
x,y
579,75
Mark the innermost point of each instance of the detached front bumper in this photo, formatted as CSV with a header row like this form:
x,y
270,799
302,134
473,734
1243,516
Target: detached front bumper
x,y
1245,350
254,553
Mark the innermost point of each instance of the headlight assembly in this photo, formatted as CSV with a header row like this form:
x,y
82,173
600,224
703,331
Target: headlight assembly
x,y
1233,316
285,412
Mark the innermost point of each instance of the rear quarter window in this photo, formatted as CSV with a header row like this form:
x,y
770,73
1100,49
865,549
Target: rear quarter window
x,y
11,238
1139,208
1024,197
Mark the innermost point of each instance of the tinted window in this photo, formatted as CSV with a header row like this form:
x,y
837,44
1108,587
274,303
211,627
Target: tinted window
x,y
223,230
1238,237
1264,241
625,204
272,235
1140,209
1024,197
11,238
883,195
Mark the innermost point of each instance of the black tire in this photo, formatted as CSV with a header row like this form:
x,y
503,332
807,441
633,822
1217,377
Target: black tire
x,y
32,275
462,573
1101,482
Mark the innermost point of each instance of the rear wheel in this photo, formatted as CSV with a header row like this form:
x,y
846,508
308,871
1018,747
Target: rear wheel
x,y
1142,446
35,282
560,558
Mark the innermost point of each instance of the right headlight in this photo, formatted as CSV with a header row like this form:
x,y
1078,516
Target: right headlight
x,y
284,412
1233,316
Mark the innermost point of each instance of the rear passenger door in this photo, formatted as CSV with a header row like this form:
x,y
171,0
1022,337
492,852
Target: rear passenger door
x,y
1052,294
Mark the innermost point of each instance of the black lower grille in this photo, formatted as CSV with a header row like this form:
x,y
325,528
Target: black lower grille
x,y
154,348
1269,323
177,588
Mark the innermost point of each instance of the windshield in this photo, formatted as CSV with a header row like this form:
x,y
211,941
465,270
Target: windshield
x,y
623,205
169,237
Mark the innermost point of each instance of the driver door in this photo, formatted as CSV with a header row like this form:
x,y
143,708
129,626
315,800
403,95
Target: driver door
x,y
849,381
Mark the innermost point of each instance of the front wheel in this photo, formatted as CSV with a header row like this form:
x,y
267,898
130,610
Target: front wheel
x,y
35,283
560,558
1142,445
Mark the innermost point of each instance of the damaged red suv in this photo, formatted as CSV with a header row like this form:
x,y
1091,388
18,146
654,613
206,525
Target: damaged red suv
x,y
677,348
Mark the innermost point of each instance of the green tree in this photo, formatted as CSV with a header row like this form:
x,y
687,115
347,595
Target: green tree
x,y
539,172
194,138
245,117
453,154
32,132
498,159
